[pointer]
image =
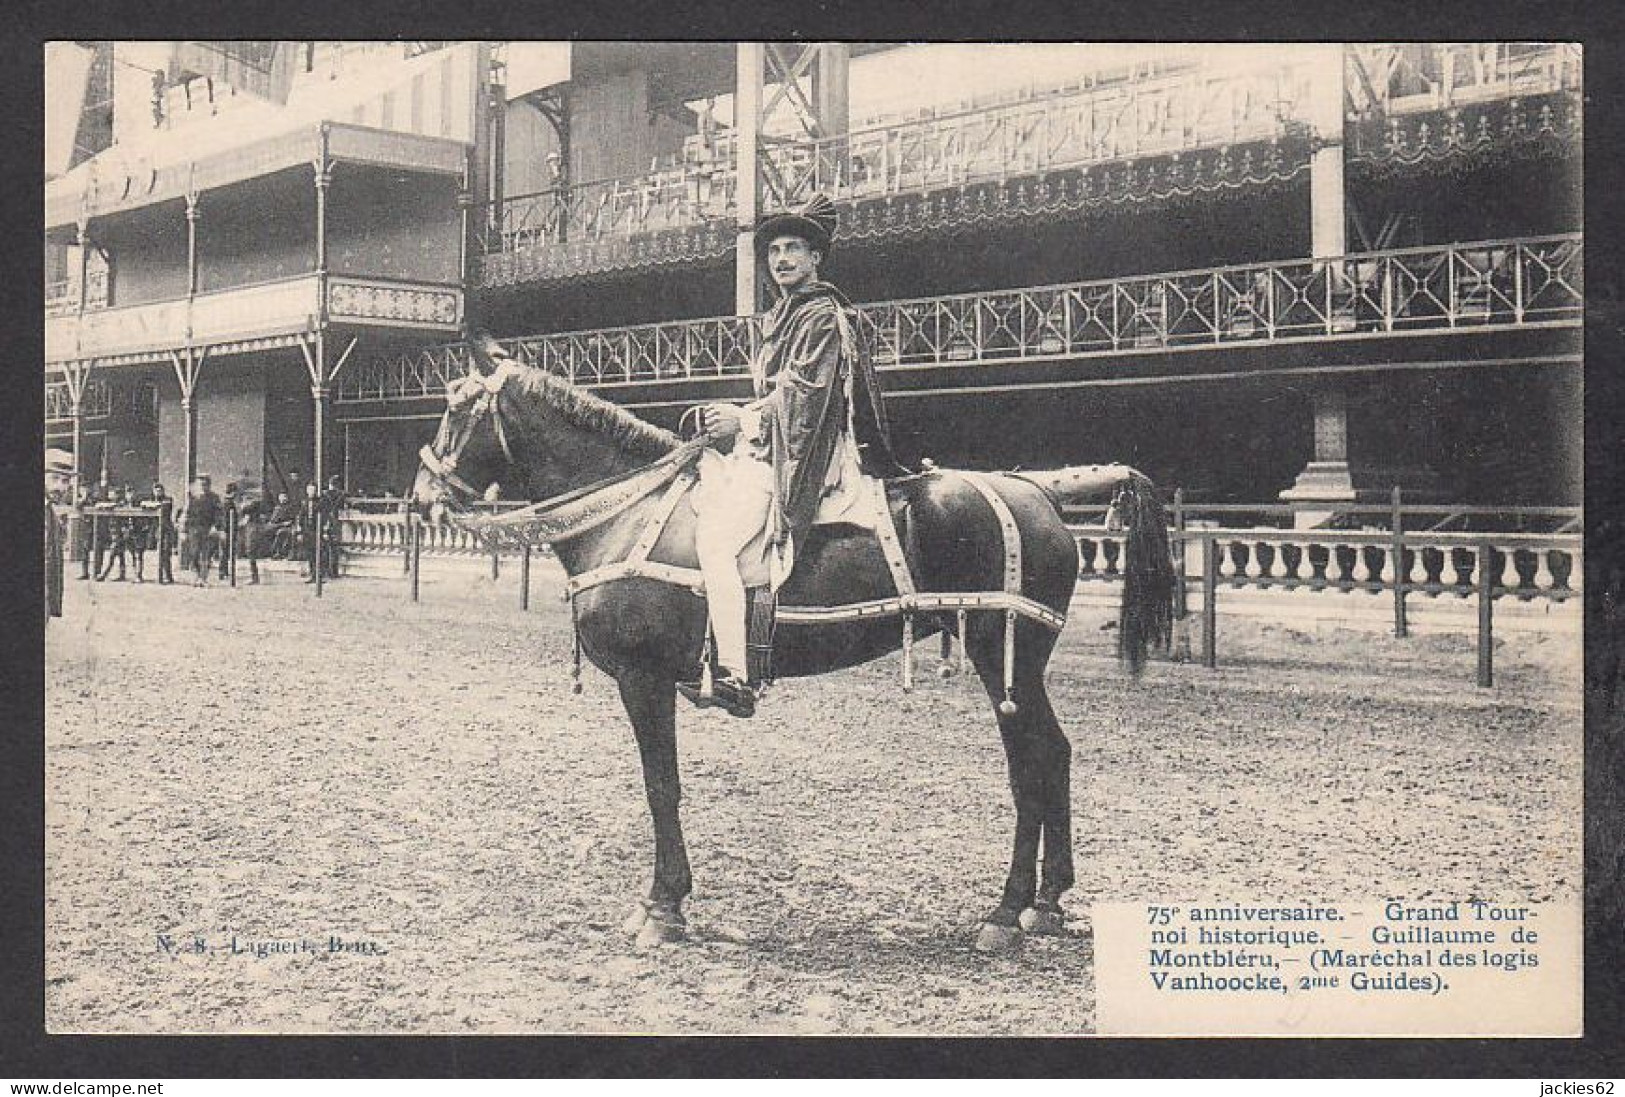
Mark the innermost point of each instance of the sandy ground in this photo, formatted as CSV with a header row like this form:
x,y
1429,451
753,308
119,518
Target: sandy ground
x,y
253,766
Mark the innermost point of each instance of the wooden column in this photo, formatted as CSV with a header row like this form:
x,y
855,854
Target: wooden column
x,y
747,139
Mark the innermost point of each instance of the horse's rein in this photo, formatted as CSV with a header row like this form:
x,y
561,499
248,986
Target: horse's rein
x,y
443,468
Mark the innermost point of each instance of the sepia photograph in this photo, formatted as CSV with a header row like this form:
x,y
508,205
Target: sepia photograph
x,y
814,538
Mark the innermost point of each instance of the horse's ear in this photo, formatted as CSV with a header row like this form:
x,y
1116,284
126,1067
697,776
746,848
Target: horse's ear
x,y
485,353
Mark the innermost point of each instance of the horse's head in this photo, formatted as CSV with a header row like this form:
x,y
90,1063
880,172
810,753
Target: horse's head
x,y
470,451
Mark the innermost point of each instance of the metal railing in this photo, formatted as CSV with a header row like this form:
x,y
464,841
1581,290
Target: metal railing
x,y
1503,283
1155,115
1166,114
1158,114
676,198
1391,78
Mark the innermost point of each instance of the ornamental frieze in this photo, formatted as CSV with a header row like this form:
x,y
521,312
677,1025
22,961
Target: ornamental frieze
x,y
404,304
1546,125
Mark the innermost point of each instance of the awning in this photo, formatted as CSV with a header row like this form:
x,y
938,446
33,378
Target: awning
x,y
118,186
417,116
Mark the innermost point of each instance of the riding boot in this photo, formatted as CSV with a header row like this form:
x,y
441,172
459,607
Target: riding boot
x,y
760,618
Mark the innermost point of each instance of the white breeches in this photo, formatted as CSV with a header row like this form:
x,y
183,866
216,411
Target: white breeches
x,y
733,499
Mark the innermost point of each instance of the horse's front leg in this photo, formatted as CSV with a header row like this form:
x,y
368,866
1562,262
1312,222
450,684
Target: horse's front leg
x,y
651,702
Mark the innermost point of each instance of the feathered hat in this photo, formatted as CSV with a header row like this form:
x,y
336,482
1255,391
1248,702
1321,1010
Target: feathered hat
x,y
814,222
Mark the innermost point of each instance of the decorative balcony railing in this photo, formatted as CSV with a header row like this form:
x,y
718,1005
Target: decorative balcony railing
x,y
1156,116
1166,115
587,212
1502,283
1389,78
279,309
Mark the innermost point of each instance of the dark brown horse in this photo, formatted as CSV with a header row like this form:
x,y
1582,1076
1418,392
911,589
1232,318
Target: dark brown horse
x,y
541,437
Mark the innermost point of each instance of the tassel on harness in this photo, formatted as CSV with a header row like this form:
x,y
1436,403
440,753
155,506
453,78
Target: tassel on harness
x,y
1008,707
908,653
575,652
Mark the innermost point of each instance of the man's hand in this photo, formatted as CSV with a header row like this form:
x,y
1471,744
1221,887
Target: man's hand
x,y
721,421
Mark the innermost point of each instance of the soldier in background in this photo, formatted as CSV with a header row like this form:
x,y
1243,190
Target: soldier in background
x,y
201,523
228,534
137,535
163,532
58,485
253,532
310,521
331,506
117,537
94,525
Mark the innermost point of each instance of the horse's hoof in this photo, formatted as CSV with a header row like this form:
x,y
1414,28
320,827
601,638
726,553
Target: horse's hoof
x,y
1043,923
998,940
656,933
634,921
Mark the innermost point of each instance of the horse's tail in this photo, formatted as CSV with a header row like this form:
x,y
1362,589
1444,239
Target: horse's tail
x,y
1148,573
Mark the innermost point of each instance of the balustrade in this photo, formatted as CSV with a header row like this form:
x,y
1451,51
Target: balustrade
x,y
1522,566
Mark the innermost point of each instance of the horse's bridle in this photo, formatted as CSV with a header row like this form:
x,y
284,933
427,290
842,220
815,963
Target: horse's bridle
x,y
479,392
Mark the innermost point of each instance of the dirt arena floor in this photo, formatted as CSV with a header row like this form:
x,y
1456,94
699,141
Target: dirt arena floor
x,y
232,774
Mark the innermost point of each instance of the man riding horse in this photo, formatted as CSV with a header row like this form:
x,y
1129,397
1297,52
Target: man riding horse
x,y
799,450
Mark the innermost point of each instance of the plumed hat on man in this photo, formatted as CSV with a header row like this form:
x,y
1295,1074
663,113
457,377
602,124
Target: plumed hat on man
x,y
814,222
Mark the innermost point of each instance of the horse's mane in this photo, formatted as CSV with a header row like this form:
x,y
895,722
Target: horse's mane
x,y
582,409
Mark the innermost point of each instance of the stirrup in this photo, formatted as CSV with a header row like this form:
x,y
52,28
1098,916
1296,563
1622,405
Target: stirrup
x,y
729,693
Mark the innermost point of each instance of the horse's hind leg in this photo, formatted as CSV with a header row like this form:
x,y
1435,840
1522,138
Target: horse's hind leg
x,y
1056,772
1030,736
651,702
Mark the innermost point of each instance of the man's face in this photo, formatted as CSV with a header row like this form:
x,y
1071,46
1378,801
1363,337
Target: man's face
x,y
792,262
57,482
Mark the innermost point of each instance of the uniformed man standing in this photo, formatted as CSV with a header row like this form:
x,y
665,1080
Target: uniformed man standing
x,y
58,483
201,522
163,532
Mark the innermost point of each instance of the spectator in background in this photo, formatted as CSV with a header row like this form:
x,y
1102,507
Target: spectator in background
x,y
58,485
284,529
227,535
253,531
332,505
163,532
117,536
137,534
94,530
310,526
201,524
